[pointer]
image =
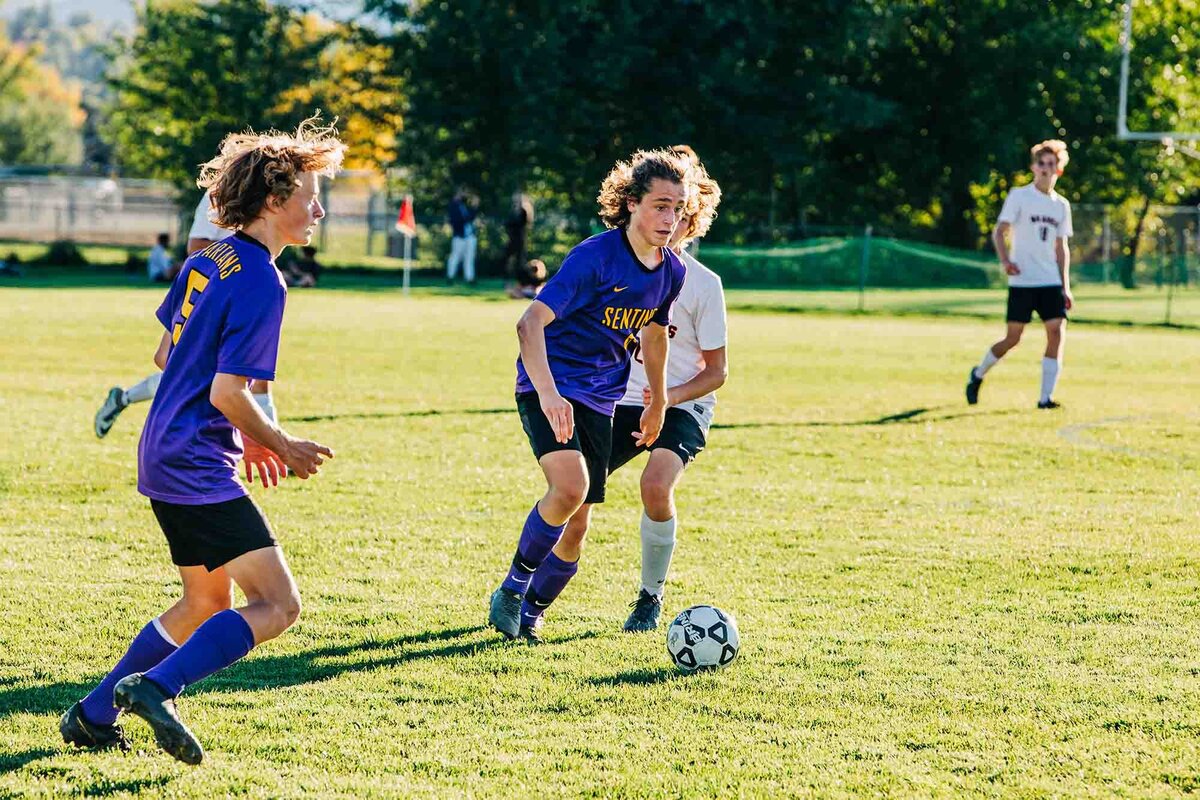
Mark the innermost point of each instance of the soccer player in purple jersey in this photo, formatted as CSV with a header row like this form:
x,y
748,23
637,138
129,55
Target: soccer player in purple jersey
x,y
222,318
575,341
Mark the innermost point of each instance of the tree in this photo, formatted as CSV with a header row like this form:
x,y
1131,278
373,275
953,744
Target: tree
x,y
40,113
191,73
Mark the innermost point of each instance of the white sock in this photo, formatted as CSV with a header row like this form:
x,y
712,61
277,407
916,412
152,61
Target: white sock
x,y
1050,370
266,404
143,391
658,543
989,361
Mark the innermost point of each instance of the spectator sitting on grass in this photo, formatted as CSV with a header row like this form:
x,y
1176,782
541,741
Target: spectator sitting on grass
x,y
304,271
9,266
160,266
530,280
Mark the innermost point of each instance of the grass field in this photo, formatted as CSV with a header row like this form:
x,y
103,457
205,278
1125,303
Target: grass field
x,y
934,600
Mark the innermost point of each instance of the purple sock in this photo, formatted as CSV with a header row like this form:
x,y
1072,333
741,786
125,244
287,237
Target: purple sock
x,y
538,538
548,582
148,648
220,641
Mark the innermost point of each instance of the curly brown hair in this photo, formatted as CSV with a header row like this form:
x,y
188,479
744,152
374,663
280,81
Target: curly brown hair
x,y
1054,147
702,209
252,167
630,180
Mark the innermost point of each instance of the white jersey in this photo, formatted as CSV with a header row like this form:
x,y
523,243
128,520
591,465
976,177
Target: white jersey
x,y
697,324
202,225
1038,221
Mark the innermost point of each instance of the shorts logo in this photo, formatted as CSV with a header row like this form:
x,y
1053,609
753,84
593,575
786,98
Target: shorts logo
x,y
621,289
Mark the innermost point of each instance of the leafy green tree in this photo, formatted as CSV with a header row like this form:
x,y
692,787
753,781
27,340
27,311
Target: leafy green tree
x,y
193,72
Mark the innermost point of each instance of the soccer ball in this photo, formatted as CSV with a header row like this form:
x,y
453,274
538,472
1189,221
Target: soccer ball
x,y
702,637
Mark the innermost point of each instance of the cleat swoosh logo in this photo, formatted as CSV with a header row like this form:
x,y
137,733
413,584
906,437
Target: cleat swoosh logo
x,y
621,289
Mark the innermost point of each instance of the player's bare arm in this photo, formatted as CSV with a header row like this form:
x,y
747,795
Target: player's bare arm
x,y
1062,254
1000,240
708,380
230,396
654,339
531,334
164,349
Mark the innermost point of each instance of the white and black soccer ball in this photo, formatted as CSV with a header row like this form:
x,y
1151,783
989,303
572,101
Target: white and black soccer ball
x,y
703,637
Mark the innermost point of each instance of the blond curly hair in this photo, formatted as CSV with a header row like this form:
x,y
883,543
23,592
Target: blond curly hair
x,y
1056,148
702,209
252,167
630,180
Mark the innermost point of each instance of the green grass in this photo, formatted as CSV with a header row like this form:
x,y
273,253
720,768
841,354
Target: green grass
x,y
934,600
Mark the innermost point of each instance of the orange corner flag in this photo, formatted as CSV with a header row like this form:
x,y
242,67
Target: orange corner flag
x,y
406,220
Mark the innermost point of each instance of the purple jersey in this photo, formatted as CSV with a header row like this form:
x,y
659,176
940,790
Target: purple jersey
x,y
601,298
223,312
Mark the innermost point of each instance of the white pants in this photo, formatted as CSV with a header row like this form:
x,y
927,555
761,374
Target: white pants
x,y
462,250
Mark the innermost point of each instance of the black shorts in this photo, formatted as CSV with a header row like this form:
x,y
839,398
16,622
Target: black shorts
x,y
592,438
1047,301
213,534
681,434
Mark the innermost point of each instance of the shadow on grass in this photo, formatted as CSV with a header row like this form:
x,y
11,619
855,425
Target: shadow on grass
x,y
105,788
323,663
273,671
935,414
646,676
10,762
429,412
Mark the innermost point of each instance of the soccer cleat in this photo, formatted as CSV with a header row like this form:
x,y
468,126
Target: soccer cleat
x,y
531,634
114,404
76,729
1048,404
646,610
973,384
143,697
505,613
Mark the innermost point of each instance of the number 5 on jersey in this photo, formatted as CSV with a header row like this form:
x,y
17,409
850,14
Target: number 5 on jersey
x,y
196,283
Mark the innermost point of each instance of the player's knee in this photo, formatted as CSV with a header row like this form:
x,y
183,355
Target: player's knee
x,y
285,611
572,492
657,493
1012,340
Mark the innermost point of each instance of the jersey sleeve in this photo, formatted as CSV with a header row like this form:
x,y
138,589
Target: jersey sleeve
x,y
663,315
1067,229
1011,209
250,336
166,309
572,286
711,330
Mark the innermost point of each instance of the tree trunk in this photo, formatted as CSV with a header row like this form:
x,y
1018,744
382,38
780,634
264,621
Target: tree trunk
x,y
1129,262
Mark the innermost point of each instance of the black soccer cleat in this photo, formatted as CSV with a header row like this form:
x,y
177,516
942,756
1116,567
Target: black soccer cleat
x,y
1048,404
505,612
146,699
78,730
645,614
114,404
973,384
531,634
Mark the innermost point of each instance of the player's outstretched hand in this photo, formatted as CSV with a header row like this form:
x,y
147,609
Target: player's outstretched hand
x,y
269,464
561,416
303,457
651,425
